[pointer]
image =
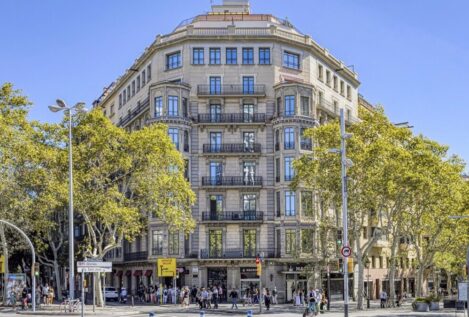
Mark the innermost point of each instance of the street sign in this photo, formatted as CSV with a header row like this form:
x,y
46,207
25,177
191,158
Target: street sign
x,y
166,267
346,251
94,267
462,291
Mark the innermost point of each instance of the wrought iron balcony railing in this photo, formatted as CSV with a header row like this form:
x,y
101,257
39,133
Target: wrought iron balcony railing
x,y
231,90
136,256
232,181
232,118
233,216
306,145
247,253
232,148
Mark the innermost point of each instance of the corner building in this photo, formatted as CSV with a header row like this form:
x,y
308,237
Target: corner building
x,y
236,90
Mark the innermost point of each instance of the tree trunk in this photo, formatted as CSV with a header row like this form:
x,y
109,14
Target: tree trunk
x,y
5,255
392,270
98,290
57,279
449,283
359,259
419,286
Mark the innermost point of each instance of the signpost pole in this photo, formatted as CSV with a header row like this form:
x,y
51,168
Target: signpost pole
x,y
94,297
82,293
104,290
467,282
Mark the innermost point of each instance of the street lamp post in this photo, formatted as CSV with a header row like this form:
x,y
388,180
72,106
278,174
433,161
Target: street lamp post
x,y
61,106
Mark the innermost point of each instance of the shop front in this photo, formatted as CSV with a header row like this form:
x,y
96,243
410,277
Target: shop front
x,y
296,282
249,280
217,276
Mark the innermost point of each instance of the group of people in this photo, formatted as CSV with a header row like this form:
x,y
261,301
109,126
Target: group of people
x,y
314,299
46,293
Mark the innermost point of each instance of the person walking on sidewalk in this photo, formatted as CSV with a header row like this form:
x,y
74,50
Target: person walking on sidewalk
x,y
267,299
234,298
383,296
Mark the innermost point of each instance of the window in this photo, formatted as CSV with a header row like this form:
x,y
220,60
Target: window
x,y
157,242
307,204
248,56
381,266
334,81
277,140
248,113
232,56
320,72
148,73
290,241
304,106
289,139
215,85
216,206
349,92
249,242
279,106
174,136
186,141
342,87
198,56
173,103
306,143
133,88
184,107
215,142
291,60
138,83
249,172
278,205
144,78
216,172
307,240
173,243
373,262
215,56
328,77
248,141
173,60
290,203
277,170
336,106
128,93
289,106
158,106
289,171
248,85
120,101
264,56
215,241
215,113
112,110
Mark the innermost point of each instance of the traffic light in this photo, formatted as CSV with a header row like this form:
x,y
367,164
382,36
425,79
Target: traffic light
x,y
258,267
2,264
36,268
350,265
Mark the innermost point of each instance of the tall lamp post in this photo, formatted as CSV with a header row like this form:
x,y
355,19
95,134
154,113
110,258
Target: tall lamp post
x,y
345,163
79,107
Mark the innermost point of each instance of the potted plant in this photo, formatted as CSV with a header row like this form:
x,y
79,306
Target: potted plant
x,y
421,304
434,301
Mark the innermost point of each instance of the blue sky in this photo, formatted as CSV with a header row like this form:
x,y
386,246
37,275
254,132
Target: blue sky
x,y
412,56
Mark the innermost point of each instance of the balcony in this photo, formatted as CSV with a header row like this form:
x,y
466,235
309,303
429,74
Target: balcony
x,y
243,118
231,90
232,148
136,256
236,253
237,216
132,114
289,145
232,181
157,251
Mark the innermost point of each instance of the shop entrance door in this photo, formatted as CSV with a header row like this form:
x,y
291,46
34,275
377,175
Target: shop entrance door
x,y
216,276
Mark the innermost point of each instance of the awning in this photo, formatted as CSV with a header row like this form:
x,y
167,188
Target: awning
x,y
148,273
128,273
120,273
138,273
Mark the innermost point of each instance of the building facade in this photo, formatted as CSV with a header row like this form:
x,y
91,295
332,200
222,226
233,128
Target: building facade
x,y
236,91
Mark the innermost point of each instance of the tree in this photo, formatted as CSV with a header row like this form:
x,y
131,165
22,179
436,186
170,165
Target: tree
x,y
121,178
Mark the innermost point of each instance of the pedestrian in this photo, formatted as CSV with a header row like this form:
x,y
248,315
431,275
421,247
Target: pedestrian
x,y
274,296
165,295
383,297
45,294
267,299
51,295
194,294
234,298
323,303
215,297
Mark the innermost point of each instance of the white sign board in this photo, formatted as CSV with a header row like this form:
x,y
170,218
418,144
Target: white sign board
x,y
94,266
462,291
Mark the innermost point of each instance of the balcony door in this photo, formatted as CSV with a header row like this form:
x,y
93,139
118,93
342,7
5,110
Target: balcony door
x,y
216,172
249,173
216,207
215,85
248,113
249,206
249,243
248,140
215,240
248,85
215,142
215,113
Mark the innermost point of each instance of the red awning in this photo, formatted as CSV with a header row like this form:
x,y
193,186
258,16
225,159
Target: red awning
x,y
120,273
128,273
138,273
148,273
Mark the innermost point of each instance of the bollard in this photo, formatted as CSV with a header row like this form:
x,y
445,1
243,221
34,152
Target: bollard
x,y
249,313
133,301
151,314
202,314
